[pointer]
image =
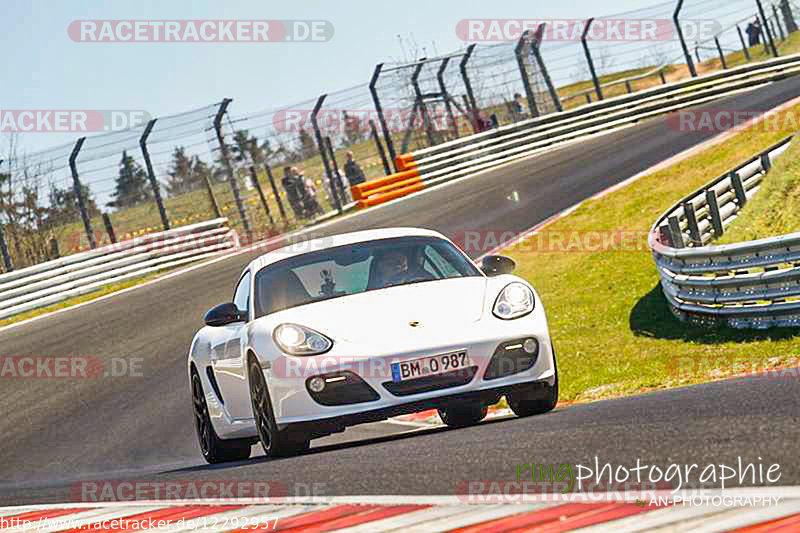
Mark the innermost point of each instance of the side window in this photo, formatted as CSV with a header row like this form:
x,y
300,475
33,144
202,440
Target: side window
x,y
242,295
442,266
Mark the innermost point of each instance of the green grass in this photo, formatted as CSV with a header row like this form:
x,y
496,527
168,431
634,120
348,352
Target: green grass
x,y
612,330
775,209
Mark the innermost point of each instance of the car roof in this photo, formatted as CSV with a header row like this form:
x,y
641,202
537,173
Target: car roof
x,y
301,245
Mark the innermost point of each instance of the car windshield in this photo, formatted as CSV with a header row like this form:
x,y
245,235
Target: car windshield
x,y
357,268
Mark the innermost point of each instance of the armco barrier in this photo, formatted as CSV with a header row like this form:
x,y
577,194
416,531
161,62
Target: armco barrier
x,y
754,284
498,146
53,281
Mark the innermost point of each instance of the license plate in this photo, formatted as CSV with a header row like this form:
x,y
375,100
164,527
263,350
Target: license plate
x,y
430,366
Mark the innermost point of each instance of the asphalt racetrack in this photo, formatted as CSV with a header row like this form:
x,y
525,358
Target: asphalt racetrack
x,y
55,432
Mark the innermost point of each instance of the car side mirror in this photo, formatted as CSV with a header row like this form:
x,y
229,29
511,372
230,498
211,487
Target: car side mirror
x,y
224,314
496,265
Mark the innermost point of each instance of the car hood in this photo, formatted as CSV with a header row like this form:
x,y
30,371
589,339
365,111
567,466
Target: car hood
x,y
373,315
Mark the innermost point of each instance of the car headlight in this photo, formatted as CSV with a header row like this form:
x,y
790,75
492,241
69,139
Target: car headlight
x,y
295,339
514,301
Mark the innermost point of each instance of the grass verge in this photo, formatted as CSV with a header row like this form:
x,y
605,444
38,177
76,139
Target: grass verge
x,y
775,209
612,330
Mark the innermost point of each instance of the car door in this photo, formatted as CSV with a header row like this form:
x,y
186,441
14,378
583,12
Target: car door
x,y
230,368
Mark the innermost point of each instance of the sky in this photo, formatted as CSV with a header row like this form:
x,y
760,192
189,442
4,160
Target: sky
x,y
45,69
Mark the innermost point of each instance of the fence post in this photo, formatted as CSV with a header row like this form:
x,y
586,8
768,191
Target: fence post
x,y
386,168
588,54
778,22
738,187
537,53
4,250
275,192
462,67
765,22
260,191
676,237
691,219
151,175
721,55
338,183
628,86
321,146
713,207
212,198
426,121
679,31
109,228
54,252
227,163
788,17
744,44
77,188
663,78
443,88
523,72
381,118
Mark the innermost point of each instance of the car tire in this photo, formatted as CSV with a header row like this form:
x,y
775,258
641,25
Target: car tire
x,y
276,443
463,415
531,400
215,450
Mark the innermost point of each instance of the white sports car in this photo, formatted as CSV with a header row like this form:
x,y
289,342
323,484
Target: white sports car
x,y
361,327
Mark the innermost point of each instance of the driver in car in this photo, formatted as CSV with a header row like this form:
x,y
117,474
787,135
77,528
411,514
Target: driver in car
x,y
392,268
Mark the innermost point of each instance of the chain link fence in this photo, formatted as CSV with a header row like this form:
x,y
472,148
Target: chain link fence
x,y
274,170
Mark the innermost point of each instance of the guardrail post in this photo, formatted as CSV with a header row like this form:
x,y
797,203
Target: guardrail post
x,y
778,22
260,191
426,121
721,55
443,89
151,175
679,31
766,164
227,163
379,110
321,146
713,207
675,234
588,54
691,219
9,265
770,40
662,76
738,188
386,168
462,67
788,17
78,189
628,86
109,228
275,192
537,53
523,72
212,198
744,44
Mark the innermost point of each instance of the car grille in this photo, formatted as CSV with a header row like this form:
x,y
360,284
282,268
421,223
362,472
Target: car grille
x,y
509,358
431,383
351,389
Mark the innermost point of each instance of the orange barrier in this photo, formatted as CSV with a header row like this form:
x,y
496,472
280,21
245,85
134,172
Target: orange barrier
x,y
382,198
395,186
362,190
405,162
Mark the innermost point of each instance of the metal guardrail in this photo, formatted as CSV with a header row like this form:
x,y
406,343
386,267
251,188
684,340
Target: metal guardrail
x,y
74,275
754,284
498,146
